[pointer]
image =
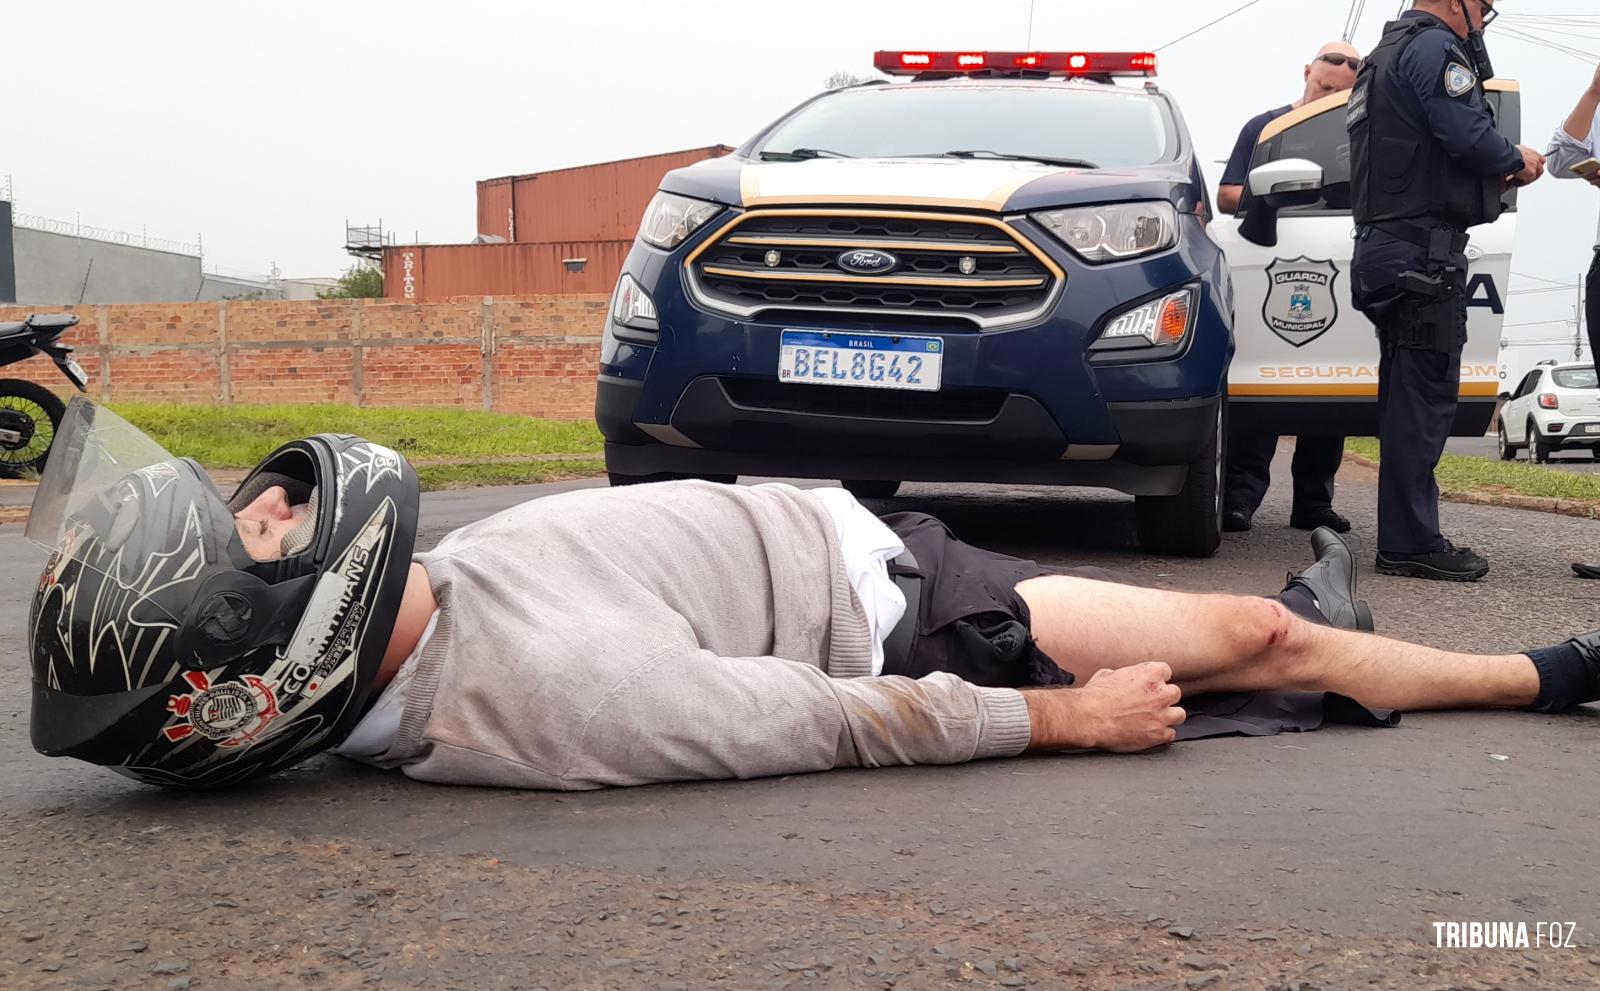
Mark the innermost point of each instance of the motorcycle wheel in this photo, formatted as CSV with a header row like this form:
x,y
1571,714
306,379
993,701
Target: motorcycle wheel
x,y
34,413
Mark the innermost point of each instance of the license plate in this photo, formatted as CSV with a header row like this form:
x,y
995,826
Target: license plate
x,y
869,361
74,371
1591,428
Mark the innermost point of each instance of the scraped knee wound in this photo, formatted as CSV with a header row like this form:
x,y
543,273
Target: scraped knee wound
x,y
1265,626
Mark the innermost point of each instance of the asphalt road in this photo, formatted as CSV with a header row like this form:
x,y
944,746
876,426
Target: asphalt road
x,y
1315,861
1577,462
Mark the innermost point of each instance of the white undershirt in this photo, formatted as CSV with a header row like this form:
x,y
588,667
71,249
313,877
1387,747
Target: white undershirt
x,y
865,544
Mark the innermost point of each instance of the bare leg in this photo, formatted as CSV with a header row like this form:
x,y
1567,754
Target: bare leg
x,y
1226,643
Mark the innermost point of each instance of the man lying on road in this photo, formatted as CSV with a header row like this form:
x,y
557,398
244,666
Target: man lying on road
x,y
664,632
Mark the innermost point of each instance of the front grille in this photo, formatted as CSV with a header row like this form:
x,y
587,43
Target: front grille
x,y
971,269
946,405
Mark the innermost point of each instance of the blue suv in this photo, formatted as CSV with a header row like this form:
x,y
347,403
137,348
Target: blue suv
x,y
997,271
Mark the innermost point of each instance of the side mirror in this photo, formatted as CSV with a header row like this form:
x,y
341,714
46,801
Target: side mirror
x,y
1505,397
1276,186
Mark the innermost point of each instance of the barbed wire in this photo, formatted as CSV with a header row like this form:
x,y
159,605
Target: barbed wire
x,y
70,228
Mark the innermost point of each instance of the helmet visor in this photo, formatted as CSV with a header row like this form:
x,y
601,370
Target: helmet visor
x,y
94,449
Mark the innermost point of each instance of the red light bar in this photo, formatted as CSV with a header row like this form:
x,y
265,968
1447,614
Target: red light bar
x,y
1054,63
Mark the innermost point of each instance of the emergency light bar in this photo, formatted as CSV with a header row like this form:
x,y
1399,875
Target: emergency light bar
x,y
1053,63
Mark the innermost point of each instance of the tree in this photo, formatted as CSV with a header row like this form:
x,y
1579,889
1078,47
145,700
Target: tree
x,y
358,282
844,77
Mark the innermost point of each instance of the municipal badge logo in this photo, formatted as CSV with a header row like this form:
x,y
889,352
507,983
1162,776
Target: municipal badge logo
x,y
231,713
1300,304
1458,79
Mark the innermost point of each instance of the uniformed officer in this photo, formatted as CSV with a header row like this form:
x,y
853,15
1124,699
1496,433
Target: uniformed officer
x,y
1426,164
1250,451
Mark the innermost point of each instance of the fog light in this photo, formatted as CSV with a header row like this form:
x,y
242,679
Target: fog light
x,y
773,258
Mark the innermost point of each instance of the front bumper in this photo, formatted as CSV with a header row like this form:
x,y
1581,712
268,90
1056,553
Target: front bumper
x,y
713,431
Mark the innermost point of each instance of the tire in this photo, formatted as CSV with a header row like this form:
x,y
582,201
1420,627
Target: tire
x,y
1188,524
1538,448
36,413
1594,452
618,480
870,488
1503,445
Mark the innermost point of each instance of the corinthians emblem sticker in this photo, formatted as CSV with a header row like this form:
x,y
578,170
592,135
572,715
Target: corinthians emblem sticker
x,y
1301,304
230,714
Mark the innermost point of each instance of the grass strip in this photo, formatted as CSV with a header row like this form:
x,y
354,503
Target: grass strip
x,y
1511,483
240,436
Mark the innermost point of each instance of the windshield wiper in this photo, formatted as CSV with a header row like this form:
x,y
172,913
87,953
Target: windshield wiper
x,y
1066,163
801,155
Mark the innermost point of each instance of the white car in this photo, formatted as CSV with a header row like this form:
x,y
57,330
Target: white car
x,y
1556,407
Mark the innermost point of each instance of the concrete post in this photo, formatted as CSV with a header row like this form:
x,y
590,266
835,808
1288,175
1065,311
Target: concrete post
x,y
224,366
488,353
357,376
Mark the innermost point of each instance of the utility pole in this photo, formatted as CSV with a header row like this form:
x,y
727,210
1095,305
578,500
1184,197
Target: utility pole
x,y
1578,318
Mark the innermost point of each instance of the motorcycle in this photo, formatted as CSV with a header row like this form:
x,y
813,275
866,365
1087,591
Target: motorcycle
x,y
30,413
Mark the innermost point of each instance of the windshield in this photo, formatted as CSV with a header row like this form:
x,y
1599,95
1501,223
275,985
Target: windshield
x,y
1576,378
1109,127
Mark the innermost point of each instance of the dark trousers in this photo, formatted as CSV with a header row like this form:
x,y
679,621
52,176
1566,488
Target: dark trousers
x,y
1591,307
1316,461
1417,395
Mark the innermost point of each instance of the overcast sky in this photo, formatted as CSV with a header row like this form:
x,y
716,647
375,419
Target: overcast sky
x,y
263,126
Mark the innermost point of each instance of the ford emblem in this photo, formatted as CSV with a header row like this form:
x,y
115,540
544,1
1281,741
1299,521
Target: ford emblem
x,y
866,261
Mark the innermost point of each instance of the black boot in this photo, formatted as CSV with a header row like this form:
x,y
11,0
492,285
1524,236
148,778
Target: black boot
x,y
1453,564
1331,582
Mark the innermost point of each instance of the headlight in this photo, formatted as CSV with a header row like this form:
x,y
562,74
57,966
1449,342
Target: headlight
x,y
1160,323
1099,234
632,307
669,219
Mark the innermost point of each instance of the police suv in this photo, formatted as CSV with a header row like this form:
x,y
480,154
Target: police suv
x,y
1002,269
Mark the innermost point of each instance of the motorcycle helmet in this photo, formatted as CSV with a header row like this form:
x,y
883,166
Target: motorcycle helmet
x,y
161,649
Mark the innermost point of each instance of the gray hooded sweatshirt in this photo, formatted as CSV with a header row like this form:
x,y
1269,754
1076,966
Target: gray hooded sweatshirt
x,y
667,633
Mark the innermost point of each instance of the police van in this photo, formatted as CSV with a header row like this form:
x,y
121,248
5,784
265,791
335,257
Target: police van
x,y
999,267
1305,361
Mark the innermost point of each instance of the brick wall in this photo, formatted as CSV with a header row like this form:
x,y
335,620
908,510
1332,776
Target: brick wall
x,y
534,355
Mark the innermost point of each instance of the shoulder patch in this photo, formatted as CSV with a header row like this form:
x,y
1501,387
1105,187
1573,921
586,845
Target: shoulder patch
x,y
1458,79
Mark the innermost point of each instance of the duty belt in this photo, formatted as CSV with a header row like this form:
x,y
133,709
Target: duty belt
x,y
897,645
1422,235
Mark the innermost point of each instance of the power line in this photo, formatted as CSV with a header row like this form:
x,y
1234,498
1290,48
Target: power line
x,y
1352,21
1540,278
1208,24
1031,5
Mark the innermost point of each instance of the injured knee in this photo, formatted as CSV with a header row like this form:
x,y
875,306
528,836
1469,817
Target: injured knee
x,y
1262,628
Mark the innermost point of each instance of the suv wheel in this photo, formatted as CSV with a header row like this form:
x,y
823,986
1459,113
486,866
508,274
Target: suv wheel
x,y
1503,445
870,489
1188,524
1538,448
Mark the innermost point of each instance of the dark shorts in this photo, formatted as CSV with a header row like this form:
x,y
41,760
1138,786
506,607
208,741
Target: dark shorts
x,y
970,620
972,623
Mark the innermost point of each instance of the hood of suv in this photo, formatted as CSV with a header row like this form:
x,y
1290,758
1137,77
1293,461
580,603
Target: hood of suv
x,y
965,184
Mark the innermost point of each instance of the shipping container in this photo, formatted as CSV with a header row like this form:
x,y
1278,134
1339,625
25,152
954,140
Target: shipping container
x,y
601,202
495,215
436,271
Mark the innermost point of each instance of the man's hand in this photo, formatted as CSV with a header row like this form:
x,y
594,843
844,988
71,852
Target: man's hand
x,y
1123,711
1532,167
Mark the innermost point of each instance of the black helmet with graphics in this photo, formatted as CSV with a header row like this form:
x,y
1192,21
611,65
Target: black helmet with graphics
x,y
164,651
